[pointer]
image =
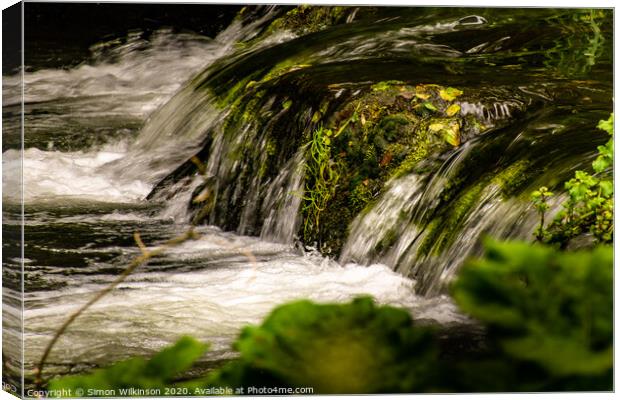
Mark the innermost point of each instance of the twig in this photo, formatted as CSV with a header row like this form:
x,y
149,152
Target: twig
x,y
147,254
143,258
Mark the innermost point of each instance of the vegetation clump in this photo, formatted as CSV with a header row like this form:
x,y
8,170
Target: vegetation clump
x,y
548,312
382,134
305,19
357,347
590,203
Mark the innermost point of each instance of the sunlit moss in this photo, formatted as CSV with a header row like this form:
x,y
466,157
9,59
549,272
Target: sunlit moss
x,y
305,19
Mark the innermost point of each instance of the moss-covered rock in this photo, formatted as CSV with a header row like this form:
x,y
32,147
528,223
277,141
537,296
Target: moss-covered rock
x,y
383,133
306,19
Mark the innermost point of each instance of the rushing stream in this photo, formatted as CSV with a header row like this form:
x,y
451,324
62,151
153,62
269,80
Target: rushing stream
x,y
107,144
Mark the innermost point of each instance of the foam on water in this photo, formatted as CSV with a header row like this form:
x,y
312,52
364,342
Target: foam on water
x,y
154,68
51,175
211,302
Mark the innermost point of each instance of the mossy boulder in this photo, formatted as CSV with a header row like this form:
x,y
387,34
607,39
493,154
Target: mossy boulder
x,y
385,132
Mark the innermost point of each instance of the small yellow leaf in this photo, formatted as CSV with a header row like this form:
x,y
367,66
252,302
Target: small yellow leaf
x,y
452,135
422,96
449,94
453,110
436,127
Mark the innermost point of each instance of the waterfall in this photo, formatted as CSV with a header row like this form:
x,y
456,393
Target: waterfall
x,y
249,115
175,131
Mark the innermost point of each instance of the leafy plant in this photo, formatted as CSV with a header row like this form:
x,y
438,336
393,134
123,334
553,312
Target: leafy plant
x,y
136,373
339,348
589,207
322,177
539,198
550,309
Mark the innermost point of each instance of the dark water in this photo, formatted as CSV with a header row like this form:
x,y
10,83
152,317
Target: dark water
x,y
118,112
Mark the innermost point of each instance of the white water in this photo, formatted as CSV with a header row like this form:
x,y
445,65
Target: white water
x,y
398,217
50,175
211,303
134,76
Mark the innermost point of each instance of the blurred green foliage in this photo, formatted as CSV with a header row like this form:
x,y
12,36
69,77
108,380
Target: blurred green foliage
x,y
548,310
341,348
157,373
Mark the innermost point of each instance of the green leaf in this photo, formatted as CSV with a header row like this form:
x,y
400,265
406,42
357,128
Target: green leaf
x,y
436,127
452,135
600,164
429,106
608,125
607,188
452,110
172,361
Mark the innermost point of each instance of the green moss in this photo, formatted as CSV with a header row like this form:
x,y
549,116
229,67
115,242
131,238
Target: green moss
x,y
385,85
251,107
233,95
287,104
305,19
513,178
424,142
441,231
284,67
360,196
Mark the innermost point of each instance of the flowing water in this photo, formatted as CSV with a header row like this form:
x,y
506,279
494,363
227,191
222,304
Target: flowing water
x,y
106,154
